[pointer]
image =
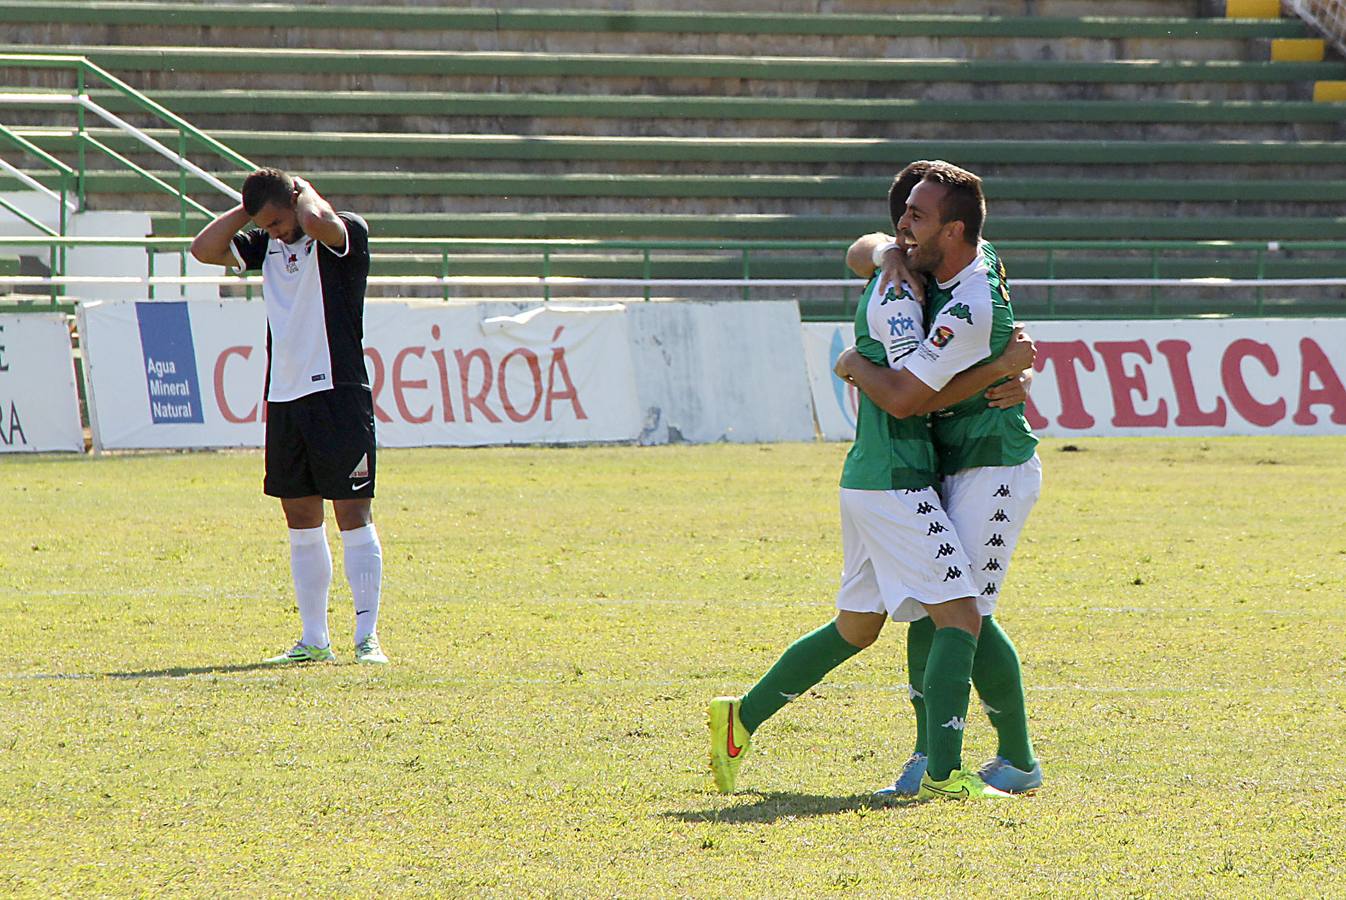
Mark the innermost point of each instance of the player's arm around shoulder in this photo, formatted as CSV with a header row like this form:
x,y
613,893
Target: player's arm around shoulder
x,y
318,219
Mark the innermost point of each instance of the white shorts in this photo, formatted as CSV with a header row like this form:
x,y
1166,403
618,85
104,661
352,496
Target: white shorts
x,y
988,507
899,550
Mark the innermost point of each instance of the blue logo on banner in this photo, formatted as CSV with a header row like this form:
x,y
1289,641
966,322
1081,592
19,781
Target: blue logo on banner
x,y
170,363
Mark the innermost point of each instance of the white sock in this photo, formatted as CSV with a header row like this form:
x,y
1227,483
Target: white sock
x,y
311,566
364,571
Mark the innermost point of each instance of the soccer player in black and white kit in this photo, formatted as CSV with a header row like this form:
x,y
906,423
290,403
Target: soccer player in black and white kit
x,y
319,410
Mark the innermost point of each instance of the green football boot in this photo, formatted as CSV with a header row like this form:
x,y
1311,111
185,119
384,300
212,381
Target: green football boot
x,y
302,653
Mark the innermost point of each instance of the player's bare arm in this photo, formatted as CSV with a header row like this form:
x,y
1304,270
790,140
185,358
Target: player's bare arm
x,y
901,394
317,217
872,250
213,246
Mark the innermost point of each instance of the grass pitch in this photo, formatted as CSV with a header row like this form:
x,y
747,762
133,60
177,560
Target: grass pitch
x,y
557,621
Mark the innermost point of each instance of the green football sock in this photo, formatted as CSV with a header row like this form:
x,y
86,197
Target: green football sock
x,y
998,677
919,637
801,666
948,684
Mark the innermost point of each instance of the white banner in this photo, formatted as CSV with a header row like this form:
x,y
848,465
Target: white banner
x,y
39,407
834,401
1190,377
190,374
1193,377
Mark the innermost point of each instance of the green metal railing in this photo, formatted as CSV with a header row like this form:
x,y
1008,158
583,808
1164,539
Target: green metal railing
x,y
72,180
533,262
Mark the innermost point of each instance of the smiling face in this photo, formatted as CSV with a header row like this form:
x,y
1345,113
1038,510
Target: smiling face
x,y
278,221
922,233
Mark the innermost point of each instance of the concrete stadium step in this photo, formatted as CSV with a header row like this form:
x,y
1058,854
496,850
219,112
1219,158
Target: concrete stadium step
x,y
565,31
408,147
786,227
152,68
374,185
673,116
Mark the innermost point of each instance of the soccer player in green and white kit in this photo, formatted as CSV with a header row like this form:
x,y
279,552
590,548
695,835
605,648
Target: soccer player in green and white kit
x,y
901,554
991,476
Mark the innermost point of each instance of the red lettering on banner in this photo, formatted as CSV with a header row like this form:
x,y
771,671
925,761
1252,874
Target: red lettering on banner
x,y
443,367
401,385
1123,385
558,364
377,387
1231,373
1190,414
478,399
244,351
1065,354
1036,420
1314,362
535,370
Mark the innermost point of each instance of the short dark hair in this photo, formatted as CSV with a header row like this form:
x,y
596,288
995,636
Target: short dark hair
x,y
965,202
907,179
266,185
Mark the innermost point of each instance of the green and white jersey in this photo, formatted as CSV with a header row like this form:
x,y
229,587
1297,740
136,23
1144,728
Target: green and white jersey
x,y
969,319
888,454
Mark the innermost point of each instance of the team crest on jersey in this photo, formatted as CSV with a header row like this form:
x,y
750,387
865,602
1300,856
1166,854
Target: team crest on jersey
x,y
960,311
291,263
941,336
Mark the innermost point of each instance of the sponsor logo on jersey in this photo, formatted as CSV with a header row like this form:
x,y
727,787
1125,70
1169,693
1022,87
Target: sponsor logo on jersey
x,y
900,325
941,336
960,311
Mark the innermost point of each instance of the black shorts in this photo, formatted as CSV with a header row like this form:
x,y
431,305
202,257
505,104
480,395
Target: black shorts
x,y
321,444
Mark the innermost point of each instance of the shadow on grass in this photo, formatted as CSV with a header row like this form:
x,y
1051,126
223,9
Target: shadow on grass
x,y
184,671
776,805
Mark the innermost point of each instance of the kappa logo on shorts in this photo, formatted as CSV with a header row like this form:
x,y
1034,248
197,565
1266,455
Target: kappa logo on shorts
x,y
996,541
924,509
361,469
936,528
953,574
990,589
945,550
992,565
1000,516
1003,492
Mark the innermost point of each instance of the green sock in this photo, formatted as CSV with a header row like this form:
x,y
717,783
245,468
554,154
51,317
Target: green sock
x,y
948,684
801,666
999,681
919,637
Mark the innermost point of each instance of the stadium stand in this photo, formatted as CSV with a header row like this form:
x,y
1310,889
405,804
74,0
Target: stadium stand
x,y
1149,120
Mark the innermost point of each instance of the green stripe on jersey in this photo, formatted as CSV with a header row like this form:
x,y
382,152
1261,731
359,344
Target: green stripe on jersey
x,y
972,434
888,454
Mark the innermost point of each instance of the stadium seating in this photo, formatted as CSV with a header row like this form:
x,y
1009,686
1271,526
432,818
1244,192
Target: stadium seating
x,y
1090,121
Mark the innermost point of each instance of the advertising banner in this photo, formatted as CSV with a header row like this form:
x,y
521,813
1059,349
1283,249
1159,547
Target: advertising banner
x,y
39,408
181,374
1195,377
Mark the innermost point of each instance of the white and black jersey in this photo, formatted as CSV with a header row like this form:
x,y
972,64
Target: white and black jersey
x,y
315,299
